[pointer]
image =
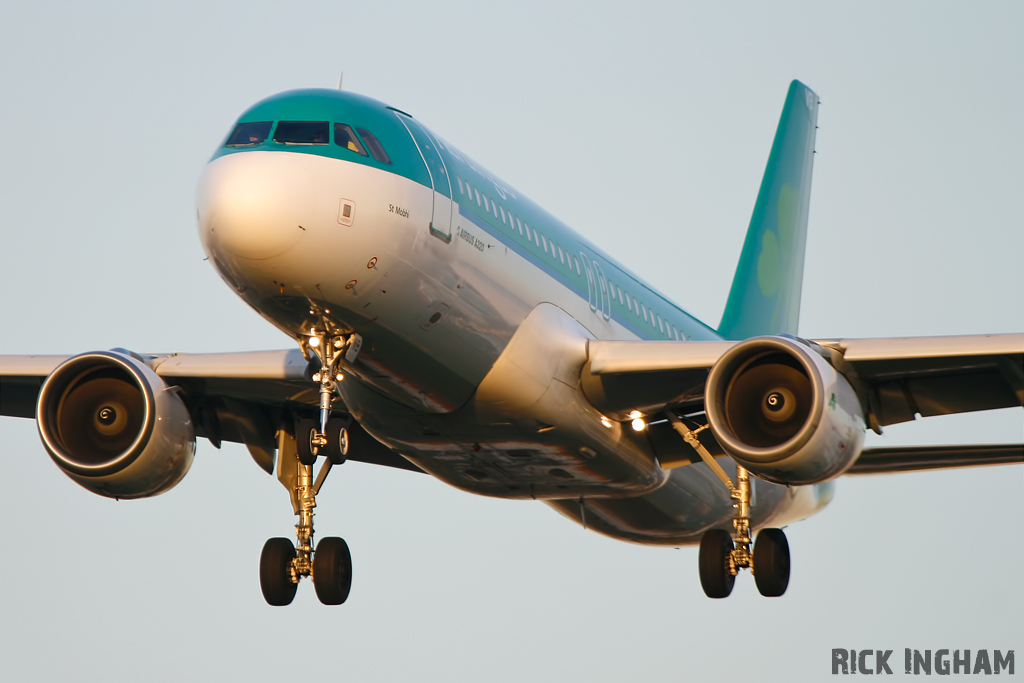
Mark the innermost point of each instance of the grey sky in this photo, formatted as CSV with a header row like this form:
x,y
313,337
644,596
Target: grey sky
x,y
646,127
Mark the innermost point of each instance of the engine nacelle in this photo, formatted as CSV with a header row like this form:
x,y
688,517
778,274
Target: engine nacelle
x,y
783,412
112,425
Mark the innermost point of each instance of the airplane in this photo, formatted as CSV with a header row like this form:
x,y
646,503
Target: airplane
x,y
445,324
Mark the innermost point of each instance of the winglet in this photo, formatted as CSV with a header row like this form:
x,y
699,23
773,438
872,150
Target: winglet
x,y
765,294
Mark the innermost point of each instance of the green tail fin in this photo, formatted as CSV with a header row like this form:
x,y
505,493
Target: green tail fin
x,y
765,294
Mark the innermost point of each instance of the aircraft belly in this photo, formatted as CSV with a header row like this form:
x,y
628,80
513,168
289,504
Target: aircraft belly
x,y
691,502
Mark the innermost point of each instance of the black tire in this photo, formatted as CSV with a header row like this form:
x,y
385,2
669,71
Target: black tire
x,y
332,570
715,547
771,562
275,580
337,440
305,430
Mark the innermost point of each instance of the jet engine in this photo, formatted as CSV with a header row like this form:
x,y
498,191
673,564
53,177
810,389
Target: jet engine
x,y
113,426
783,412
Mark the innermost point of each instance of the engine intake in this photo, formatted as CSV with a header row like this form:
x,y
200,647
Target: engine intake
x,y
783,412
113,426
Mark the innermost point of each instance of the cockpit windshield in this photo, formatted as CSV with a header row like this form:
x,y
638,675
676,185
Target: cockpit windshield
x,y
345,137
302,132
249,134
376,149
353,139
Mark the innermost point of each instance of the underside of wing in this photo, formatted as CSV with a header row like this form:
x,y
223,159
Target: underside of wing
x,y
745,392
237,397
896,379
929,376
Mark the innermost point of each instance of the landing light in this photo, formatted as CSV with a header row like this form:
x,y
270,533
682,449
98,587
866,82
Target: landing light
x,y
314,342
633,415
638,425
340,377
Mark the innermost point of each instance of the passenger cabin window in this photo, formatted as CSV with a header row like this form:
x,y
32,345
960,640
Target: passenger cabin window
x,y
302,133
376,149
249,134
345,137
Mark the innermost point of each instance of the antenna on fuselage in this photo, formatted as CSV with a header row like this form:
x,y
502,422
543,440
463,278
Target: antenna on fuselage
x,y
340,79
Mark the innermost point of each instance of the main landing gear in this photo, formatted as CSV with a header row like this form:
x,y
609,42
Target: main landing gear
x,y
282,564
721,555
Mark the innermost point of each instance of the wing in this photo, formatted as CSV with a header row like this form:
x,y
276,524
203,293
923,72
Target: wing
x,y
896,380
237,397
936,375
912,458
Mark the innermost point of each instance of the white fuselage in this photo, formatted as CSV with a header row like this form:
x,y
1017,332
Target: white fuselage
x,y
471,354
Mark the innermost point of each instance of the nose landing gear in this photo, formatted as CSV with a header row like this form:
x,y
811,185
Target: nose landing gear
x,y
721,556
282,565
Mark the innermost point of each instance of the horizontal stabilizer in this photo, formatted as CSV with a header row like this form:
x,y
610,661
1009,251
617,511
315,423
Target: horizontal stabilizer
x,y
914,458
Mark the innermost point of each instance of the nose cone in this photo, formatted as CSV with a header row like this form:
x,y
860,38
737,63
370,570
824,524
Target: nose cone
x,y
252,204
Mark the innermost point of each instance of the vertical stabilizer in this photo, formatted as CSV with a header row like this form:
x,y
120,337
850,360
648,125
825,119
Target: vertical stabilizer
x,y
765,294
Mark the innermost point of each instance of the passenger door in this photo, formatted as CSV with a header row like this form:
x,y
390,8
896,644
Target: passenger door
x,y
591,282
441,216
603,287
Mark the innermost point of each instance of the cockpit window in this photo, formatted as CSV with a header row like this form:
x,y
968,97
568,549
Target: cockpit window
x,y
302,132
345,137
376,149
249,134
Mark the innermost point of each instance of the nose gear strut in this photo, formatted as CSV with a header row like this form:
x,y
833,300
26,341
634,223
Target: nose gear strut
x,y
721,557
283,565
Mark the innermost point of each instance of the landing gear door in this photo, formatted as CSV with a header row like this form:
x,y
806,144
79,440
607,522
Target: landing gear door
x,y
441,216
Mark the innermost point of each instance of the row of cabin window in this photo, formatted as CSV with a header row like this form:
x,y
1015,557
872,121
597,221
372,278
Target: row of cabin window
x,y
649,316
556,252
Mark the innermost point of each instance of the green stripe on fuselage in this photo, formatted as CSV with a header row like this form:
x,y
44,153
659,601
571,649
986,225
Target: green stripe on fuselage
x,y
336,106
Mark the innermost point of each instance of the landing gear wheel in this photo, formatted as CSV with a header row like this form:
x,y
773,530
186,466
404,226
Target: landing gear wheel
x,y
715,578
771,562
332,570
275,579
337,440
305,430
